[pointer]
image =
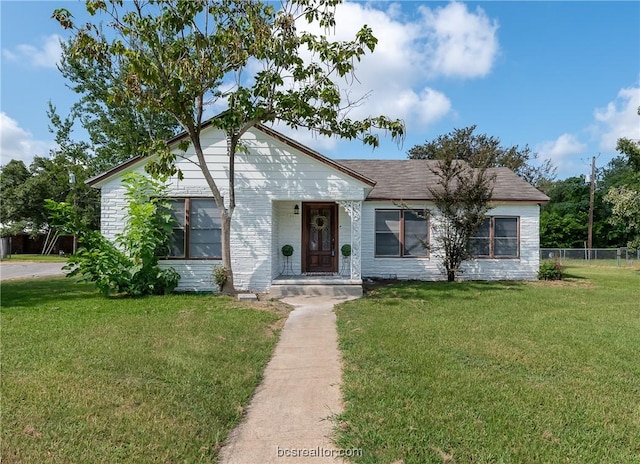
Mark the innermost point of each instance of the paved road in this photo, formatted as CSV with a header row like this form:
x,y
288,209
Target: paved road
x,y
22,270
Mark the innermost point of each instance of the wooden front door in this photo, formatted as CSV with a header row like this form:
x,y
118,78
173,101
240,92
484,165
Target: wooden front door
x,y
319,237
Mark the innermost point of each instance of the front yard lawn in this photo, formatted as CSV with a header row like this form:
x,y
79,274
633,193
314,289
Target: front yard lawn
x,y
495,372
92,379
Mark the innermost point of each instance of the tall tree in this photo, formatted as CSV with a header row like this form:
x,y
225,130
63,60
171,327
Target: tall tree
x,y
625,198
118,130
563,221
631,149
176,56
59,177
625,211
482,150
13,176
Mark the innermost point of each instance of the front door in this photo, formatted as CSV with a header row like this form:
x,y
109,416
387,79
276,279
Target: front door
x,y
319,237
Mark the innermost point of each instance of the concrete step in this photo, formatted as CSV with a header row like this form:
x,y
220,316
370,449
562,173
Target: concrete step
x,y
284,290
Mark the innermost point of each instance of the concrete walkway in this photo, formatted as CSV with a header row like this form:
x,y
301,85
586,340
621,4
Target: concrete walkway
x,y
290,415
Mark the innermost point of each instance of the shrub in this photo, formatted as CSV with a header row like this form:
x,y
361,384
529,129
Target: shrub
x,y
550,270
287,250
220,276
345,250
130,265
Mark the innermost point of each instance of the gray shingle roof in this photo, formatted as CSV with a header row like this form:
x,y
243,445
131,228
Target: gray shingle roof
x,y
411,179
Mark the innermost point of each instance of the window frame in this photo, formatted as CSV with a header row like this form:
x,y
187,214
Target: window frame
x,y
492,238
187,231
401,232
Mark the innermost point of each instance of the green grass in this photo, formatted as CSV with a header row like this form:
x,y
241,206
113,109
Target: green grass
x,y
495,372
36,258
158,379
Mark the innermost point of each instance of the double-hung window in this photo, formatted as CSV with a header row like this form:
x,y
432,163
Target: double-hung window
x,y
197,229
401,233
497,237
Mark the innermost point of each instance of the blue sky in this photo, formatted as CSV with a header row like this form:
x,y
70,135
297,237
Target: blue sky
x,y
561,77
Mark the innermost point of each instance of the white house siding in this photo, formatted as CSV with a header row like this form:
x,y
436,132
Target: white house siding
x,y
288,232
271,178
195,275
400,268
523,268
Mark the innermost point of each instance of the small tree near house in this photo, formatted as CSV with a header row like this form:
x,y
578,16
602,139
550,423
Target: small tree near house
x,y
461,198
178,56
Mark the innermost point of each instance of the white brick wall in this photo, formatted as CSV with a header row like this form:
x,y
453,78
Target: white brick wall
x,y
270,180
523,268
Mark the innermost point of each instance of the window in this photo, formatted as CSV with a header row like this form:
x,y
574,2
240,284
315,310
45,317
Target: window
x,y
197,232
497,237
401,233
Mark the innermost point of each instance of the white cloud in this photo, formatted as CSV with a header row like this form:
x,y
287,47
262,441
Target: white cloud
x,y
45,56
17,143
459,43
618,119
561,152
449,41
565,145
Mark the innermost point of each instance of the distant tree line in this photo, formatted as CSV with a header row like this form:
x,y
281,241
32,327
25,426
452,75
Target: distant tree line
x,y
117,131
564,220
616,223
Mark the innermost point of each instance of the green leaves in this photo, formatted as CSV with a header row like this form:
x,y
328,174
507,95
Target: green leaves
x,y
625,203
481,150
129,266
178,57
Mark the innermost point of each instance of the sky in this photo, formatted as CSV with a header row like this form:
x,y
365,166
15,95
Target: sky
x,y
562,78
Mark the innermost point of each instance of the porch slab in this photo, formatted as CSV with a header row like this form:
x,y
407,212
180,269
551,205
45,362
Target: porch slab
x,y
328,286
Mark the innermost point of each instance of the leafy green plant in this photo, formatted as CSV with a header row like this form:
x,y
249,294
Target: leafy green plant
x,y
130,265
550,270
345,250
220,276
287,250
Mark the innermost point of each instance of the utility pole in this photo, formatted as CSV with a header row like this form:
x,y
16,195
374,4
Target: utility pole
x,y
591,201
72,181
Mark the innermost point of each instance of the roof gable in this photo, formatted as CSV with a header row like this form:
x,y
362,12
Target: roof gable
x,y
100,179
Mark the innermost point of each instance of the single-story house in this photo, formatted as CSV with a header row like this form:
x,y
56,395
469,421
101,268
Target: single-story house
x,y
289,194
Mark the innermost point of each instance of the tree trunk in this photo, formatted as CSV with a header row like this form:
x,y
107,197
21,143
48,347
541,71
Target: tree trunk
x,y
451,275
225,213
228,288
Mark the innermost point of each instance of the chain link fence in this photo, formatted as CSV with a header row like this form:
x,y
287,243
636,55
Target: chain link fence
x,y
620,256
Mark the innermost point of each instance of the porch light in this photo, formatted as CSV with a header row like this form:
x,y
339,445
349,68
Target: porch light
x,y
296,209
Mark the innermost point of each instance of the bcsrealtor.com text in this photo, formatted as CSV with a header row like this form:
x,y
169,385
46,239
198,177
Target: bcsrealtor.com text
x,y
317,452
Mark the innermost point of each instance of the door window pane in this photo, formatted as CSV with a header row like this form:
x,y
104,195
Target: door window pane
x,y
326,230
